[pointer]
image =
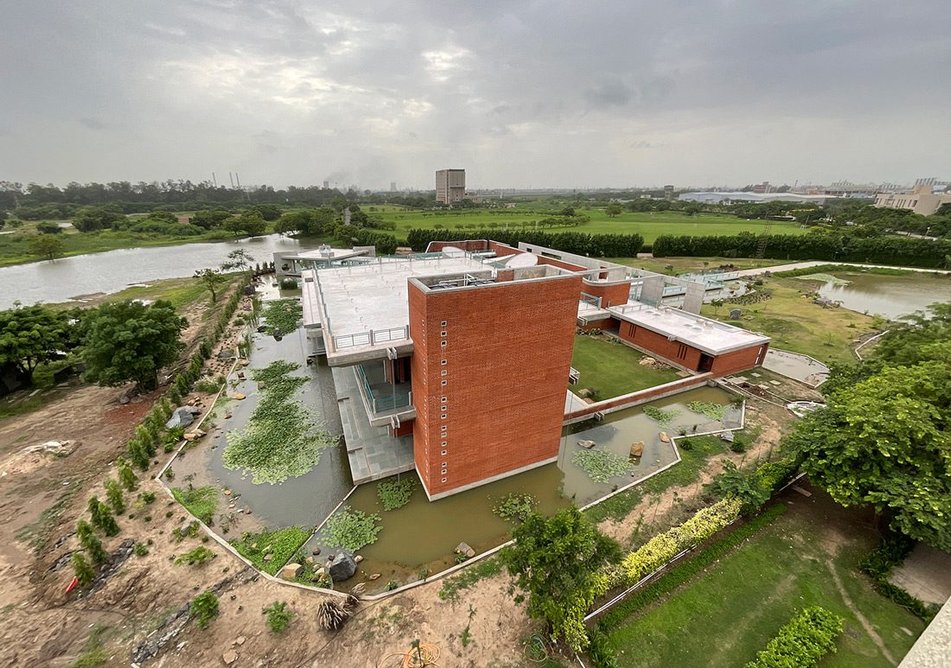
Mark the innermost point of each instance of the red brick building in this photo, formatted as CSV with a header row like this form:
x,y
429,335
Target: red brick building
x,y
456,363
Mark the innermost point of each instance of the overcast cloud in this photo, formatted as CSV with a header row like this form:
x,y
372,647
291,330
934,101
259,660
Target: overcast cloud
x,y
543,93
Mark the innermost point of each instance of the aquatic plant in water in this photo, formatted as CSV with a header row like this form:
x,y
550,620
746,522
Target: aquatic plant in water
x,y
660,415
351,529
395,494
601,465
281,439
712,411
283,315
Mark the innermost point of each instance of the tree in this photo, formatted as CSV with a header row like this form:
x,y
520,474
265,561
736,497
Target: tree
x,y
129,341
614,209
884,441
126,475
114,496
46,246
249,222
555,560
81,569
210,218
212,279
92,218
239,259
33,335
102,517
90,542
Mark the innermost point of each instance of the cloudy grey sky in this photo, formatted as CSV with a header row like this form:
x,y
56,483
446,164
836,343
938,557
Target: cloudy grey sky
x,y
538,93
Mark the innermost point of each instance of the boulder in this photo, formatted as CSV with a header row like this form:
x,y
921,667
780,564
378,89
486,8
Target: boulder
x,y
194,435
375,576
664,438
637,449
726,436
358,558
342,566
194,410
291,571
465,550
229,657
237,396
586,444
226,355
181,417
647,361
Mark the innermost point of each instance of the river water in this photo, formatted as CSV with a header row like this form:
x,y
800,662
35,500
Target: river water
x,y
888,296
70,277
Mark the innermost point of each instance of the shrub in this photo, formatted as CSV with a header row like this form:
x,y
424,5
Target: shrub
x,y
126,476
802,642
90,542
395,494
351,529
663,547
278,616
196,557
102,518
288,284
81,569
140,549
204,608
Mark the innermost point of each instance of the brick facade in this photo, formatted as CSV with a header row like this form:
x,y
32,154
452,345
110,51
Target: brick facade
x,y
611,294
691,358
489,373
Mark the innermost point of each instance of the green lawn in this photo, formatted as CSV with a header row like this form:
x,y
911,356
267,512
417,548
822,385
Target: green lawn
x,y
795,323
15,248
649,225
674,266
613,368
739,603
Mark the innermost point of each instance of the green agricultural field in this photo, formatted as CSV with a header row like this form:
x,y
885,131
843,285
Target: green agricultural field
x,y
808,556
649,225
613,368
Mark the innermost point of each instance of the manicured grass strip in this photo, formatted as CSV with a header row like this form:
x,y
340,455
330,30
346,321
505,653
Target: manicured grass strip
x,y
687,569
281,545
202,502
612,368
802,642
468,577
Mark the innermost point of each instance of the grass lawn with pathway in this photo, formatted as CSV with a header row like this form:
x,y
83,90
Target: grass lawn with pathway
x,y
613,368
795,323
808,556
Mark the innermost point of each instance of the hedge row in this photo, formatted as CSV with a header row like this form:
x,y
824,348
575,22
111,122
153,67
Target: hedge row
x,y
686,570
814,246
592,245
663,547
879,564
360,236
152,433
802,642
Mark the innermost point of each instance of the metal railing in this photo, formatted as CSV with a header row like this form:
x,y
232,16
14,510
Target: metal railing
x,y
371,337
381,402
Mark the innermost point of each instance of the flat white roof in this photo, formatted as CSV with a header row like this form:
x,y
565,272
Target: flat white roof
x,y
710,336
328,254
359,299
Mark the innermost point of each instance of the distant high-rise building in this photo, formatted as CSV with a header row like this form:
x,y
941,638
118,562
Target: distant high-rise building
x,y
925,198
450,186
392,186
668,192
326,185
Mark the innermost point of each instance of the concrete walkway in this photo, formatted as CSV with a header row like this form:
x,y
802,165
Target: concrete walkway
x,y
797,366
925,574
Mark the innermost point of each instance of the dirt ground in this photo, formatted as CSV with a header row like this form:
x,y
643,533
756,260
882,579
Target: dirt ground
x,y
42,496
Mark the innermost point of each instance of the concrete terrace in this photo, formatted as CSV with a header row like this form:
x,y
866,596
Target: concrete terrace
x,y
373,454
363,309
710,336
